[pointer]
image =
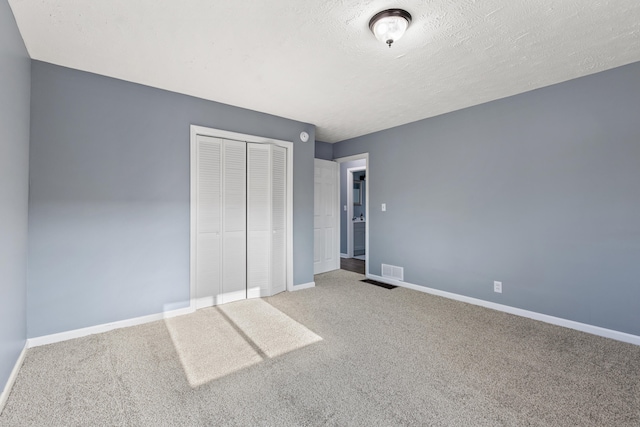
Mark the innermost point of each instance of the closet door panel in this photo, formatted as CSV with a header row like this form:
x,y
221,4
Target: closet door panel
x,y
278,220
258,219
208,270
234,285
235,176
234,253
258,264
209,221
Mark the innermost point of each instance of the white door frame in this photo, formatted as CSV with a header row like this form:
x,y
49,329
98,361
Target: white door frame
x,y
219,133
367,224
350,172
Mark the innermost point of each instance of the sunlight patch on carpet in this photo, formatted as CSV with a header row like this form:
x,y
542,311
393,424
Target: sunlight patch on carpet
x,y
271,330
214,342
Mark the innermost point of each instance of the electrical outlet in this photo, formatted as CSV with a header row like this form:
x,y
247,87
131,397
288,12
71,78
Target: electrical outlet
x,y
497,287
345,208
384,207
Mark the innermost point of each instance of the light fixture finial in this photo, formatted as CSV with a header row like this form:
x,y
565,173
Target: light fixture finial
x,y
389,25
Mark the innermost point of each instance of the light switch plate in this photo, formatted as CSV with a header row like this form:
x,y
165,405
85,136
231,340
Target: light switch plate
x,y
384,207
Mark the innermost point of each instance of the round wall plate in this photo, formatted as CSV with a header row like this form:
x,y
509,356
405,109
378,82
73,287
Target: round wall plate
x,y
304,137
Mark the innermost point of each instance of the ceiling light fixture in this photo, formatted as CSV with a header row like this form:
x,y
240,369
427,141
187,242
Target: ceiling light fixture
x,y
389,25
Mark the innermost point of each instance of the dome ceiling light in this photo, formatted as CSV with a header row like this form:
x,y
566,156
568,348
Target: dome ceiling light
x,y
389,25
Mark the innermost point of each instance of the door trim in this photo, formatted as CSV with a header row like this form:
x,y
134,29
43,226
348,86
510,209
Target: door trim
x,y
224,134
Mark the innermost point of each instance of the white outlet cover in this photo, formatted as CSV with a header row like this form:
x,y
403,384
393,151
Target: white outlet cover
x,y
384,207
497,287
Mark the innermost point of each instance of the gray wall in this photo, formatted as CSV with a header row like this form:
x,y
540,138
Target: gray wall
x,y
343,199
109,207
540,190
14,190
324,150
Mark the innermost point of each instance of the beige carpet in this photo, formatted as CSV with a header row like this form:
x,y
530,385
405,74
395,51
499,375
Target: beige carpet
x,y
218,341
386,358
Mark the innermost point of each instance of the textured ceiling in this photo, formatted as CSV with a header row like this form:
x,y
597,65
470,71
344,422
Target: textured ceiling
x,y
316,61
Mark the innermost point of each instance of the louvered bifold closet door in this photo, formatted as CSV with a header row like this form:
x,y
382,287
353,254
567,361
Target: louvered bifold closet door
x,y
208,221
258,219
234,208
278,220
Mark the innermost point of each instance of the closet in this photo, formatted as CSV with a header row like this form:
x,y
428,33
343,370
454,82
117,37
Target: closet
x,y
240,220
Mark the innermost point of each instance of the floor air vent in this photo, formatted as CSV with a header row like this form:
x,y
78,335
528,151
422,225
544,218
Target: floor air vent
x,y
382,285
393,272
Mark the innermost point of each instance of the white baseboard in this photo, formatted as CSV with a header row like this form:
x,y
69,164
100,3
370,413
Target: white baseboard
x,y
12,378
91,330
176,313
77,333
304,286
204,302
344,255
584,327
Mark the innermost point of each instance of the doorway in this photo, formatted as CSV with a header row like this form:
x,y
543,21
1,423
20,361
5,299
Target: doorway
x,y
354,213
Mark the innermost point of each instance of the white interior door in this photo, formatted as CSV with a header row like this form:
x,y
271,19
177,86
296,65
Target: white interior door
x,y
278,220
266,220
208,220
234,220
326,222
258,218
